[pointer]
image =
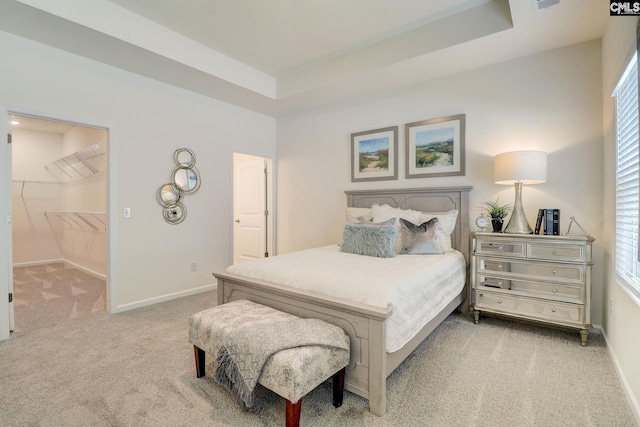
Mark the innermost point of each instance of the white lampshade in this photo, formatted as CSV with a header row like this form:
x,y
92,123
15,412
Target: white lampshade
x,y
527,167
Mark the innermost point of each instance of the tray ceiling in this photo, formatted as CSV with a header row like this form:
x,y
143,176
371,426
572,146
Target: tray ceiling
x,y
286,56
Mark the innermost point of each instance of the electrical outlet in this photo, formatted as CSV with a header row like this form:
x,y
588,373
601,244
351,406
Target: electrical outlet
x,y
194,265
126,213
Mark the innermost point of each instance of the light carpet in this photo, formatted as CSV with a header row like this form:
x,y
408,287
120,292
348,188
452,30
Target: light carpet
x,y
137,369
47,293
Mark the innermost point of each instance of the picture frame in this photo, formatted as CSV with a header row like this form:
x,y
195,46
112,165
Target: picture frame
x,y
435,147
374,154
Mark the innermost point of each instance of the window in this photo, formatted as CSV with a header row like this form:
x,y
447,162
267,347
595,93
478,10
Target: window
x,y
627,175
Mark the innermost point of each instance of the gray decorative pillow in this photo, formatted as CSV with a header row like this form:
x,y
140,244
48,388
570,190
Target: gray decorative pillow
x,y
369,240
420,239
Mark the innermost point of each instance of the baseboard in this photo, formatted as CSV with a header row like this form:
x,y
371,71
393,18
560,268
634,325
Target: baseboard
x,y
86,270
29,264
53,261
163,298
631,398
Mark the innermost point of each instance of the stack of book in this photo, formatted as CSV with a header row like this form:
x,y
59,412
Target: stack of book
x,y
548,222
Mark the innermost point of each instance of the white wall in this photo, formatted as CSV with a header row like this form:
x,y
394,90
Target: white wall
x,y
149,259
621,319
33,238
82,244
549,101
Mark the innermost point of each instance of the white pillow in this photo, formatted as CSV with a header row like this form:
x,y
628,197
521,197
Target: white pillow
x,y
353,214
446,222
367,221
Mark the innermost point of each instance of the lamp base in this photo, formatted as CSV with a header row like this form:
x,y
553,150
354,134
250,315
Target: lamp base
x,y
518,223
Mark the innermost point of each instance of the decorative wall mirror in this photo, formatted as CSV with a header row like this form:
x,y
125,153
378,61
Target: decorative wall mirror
x,y
175,214
169,195
185,179
184,158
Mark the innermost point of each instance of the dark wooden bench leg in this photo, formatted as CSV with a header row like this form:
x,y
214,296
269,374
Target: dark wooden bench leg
x,y
338,387
199,361
293,413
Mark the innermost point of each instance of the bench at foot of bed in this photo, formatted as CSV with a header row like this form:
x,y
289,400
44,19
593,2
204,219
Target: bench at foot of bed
x,y
291,373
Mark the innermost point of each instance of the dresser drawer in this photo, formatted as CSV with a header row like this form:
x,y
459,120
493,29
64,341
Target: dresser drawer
x,y
502,248
535,270
549,291
571,253
495,282
556,312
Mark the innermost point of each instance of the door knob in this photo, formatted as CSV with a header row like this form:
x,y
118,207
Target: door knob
x,y
237,220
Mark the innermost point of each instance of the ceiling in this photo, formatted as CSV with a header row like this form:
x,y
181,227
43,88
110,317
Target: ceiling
x,y
41,125
280,57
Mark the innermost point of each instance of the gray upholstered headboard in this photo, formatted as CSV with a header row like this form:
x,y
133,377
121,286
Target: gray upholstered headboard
x,y
440,199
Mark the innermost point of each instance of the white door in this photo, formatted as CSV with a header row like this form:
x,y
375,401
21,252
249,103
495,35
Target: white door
x,y
249,208
6,257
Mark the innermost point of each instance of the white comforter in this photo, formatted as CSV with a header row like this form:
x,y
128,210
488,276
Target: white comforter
x,y
415,287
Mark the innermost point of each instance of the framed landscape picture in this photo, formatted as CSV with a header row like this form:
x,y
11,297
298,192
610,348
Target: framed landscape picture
x,y
435,147
374,154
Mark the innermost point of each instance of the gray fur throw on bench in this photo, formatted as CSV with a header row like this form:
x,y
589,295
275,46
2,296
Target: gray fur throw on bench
x,y
247,334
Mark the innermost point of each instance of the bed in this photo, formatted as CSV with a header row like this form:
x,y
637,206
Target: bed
x,y
365,323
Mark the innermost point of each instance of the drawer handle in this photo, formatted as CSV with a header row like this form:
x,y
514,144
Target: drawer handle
x,y
499,301
553,310
500,282
499,266
500,248
555,291
554,272
554,253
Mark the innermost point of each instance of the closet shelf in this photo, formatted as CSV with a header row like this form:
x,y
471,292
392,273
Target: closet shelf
x,y
95,220
81,164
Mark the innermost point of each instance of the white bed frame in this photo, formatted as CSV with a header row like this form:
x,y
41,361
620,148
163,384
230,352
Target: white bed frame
x,y
370,363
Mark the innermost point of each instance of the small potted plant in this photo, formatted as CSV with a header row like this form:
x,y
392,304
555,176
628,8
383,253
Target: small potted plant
x,y
497,212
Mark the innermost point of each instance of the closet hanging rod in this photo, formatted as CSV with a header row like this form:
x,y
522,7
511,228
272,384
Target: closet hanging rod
x,y
31,181
85,217
76,212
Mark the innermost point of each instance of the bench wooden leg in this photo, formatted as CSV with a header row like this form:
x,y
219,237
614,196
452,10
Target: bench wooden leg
x,y
293,413
200,366
338,387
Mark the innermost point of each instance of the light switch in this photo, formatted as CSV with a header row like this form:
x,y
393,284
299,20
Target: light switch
x,y
127,213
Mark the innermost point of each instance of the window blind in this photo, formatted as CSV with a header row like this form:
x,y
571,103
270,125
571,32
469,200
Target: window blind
x,y
627,175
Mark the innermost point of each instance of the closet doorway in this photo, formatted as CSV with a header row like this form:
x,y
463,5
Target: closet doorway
x,y
59,222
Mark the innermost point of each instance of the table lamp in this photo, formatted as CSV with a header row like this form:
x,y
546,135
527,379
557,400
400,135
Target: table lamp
x,y
518,168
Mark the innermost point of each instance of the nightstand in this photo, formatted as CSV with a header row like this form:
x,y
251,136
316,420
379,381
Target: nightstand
x,y
533,277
